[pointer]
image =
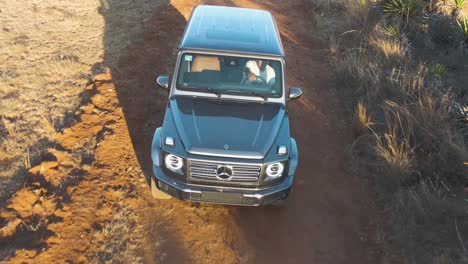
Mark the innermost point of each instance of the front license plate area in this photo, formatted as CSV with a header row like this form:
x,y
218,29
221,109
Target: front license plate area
x,y
222,197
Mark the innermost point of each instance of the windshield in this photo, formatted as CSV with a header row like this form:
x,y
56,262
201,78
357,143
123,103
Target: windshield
x,y
221,74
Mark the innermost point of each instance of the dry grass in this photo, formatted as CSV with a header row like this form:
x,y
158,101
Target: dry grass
x,y
394,146
117,240
401,85
390,48
49,50
358,10
363,117
47,53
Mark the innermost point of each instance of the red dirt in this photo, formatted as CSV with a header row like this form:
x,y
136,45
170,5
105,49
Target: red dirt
x,y
327,217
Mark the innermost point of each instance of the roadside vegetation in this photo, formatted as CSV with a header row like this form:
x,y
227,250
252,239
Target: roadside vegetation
x,y
402,66
47,53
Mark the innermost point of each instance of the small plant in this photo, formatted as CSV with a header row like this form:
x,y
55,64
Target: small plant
x,y
392,31
463,27
438,69
459,4
402,8
363,117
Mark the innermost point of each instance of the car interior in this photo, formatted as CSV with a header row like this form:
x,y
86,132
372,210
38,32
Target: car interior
x,y
222,72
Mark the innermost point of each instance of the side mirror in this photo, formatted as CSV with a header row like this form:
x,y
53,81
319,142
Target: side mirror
x,y
294,93
163,81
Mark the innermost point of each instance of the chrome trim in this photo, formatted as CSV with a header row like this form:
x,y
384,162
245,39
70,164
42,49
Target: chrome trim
x,y
208,170
262,195
183,189
226,171
224,153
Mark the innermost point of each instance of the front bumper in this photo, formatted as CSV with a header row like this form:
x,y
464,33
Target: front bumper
x,y
222,195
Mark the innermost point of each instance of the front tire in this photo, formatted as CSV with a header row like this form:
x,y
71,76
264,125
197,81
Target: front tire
x,y
156,193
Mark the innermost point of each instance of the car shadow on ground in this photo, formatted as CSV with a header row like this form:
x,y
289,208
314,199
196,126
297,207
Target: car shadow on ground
x,y
138,44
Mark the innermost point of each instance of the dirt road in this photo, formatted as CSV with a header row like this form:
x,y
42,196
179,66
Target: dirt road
x,y
66,214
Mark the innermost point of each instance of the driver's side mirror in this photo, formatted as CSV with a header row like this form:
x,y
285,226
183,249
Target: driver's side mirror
x,y
294,93
163,81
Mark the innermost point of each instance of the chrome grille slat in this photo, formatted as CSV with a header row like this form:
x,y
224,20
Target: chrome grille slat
x,y
206,170
201,175
244,173
246,179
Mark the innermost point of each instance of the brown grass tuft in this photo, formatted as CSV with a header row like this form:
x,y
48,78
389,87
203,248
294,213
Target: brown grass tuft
x,y
418,150
116,240
47,126
363,117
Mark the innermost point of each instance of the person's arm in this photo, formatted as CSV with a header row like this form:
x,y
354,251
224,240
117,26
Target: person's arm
x,y
270,75
252,70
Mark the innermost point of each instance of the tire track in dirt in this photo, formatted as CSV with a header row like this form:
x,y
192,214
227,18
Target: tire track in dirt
x,y
64,203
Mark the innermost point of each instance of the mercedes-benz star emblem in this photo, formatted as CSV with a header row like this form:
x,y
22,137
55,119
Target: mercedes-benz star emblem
x,y
224,172
226,146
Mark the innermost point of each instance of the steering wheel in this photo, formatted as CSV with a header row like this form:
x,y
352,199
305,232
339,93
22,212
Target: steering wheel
x,y
259,80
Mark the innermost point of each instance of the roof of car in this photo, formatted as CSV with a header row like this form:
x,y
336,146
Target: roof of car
x,y
234,29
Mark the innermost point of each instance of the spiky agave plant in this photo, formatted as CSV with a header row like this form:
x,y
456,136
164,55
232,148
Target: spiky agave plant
x,y
392,30
463,27
438,69
403,8
459,4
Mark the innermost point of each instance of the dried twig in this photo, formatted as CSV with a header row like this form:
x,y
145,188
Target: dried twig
x,y
460,238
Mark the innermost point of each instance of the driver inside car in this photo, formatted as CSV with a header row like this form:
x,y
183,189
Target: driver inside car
x,y
259,72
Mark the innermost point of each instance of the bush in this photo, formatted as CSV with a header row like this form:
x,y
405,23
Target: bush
x,y
463,29
444,32
393,76
403,8
459,3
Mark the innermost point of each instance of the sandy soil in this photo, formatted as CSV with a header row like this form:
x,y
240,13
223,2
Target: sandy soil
x,y
60,214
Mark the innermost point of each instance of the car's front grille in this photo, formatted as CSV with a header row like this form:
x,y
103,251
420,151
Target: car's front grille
x,y
207,170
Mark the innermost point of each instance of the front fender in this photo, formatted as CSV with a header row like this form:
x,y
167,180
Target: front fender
x,y
293,158
156,148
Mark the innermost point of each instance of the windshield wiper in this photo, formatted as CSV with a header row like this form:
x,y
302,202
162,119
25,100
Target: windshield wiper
x,y
206,89
265,98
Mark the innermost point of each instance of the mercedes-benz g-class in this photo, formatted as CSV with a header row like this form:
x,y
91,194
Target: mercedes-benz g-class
x,y
225,136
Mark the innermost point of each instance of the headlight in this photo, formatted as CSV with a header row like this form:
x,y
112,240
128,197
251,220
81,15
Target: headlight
x,y
274,170
174,163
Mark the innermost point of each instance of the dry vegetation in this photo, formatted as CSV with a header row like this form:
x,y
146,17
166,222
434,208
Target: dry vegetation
x,y
403,68
47,53
117,241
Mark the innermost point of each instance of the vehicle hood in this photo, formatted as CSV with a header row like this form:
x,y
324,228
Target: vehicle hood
x,y
226,128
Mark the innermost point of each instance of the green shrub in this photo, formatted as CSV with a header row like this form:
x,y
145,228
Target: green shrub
x,y
403,8
444,32
438,69
463,28
459,3
392,30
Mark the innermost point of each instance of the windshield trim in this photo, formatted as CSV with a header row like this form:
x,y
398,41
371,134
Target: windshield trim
x,y
177,90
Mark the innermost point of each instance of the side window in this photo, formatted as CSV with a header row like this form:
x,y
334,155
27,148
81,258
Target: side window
x,y
184,67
